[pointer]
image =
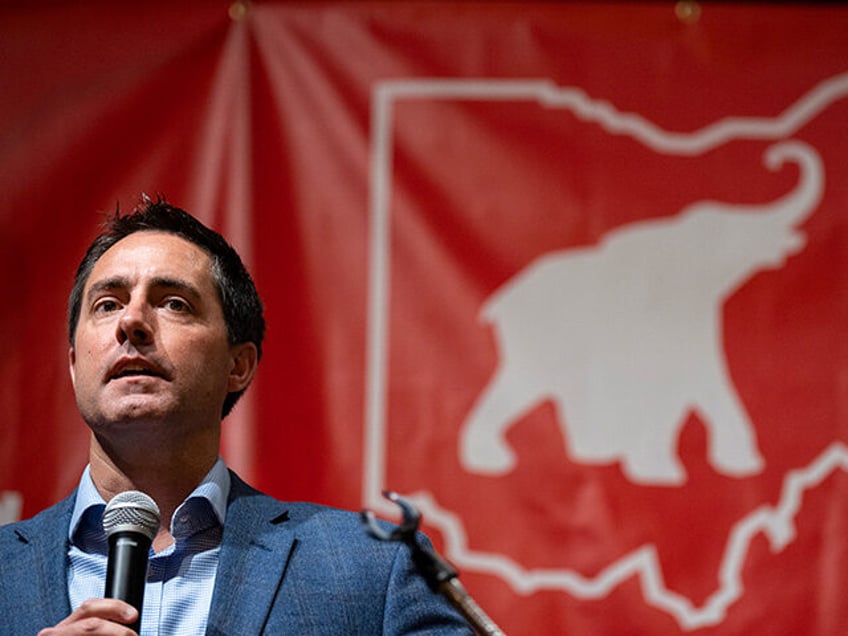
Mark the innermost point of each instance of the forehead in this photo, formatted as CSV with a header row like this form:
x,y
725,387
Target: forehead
x,y
153,254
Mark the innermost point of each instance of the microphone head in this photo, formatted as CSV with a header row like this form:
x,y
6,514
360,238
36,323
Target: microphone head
x,y
131,511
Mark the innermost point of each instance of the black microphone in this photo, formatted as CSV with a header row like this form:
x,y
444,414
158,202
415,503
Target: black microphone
x,y
131,520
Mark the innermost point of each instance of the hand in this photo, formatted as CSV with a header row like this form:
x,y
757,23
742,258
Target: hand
x,y
104,616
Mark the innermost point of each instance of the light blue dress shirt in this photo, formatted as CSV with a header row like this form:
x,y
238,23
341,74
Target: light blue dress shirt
x,y
180,579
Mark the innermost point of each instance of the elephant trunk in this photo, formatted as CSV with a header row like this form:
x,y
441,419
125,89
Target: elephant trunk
x,y
793,208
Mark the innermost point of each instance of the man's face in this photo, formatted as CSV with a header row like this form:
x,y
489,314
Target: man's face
x,y
151,344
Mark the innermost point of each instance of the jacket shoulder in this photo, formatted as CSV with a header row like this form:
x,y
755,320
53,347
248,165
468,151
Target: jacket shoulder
x,y
336,577
33,570
49,523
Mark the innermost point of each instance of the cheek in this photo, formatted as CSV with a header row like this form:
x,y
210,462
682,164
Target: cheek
x,y
205,358
80,356
82,371
86,344
88,359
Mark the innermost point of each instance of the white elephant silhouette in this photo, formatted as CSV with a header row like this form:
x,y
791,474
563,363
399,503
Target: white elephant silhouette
x,y
626,337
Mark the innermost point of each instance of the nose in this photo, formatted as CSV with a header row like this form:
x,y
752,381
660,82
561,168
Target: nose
x,y
134,325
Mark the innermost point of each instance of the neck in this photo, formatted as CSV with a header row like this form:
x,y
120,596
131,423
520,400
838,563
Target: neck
x,y
168,473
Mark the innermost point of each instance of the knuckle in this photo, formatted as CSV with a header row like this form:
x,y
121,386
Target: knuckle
x,y
90,624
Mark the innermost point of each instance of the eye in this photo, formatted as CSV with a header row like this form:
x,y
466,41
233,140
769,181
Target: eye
x,y
176,304
105,306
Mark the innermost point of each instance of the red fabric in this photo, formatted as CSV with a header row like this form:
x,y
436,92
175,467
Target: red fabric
x,y
388,170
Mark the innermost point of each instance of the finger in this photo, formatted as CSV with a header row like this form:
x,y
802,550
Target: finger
x,y
104,609
110,609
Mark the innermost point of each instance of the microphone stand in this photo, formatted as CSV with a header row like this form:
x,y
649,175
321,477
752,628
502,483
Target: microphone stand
x,y
440,575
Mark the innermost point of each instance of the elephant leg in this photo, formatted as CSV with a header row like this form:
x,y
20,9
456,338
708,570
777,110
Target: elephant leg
x,y
732,441
650,456
483,447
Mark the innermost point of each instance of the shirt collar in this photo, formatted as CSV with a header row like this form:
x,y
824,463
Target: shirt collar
x,y
87,498
215,488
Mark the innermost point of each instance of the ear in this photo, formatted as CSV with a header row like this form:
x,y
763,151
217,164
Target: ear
x,y
72,359
245,360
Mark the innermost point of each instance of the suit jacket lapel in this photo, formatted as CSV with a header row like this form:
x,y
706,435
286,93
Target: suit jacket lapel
x,y
255,550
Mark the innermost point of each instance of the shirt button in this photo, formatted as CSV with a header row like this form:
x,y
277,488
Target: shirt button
x,y
183,524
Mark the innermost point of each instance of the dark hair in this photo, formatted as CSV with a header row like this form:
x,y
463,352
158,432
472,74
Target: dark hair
x,y
240,301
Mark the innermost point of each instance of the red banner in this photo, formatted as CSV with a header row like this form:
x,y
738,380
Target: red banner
x,y
569,275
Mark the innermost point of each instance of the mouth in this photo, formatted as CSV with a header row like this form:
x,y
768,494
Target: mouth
x,y
131,373
133,369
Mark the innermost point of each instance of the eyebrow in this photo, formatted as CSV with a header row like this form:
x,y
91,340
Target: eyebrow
x,y
121,282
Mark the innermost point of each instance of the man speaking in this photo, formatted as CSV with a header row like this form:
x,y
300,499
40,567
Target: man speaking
x,y
166,332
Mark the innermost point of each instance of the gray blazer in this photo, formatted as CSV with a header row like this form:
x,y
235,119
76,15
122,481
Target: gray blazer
x,y
285,568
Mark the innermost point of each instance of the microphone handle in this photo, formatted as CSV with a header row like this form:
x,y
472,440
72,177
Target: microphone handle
x,y
126,569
